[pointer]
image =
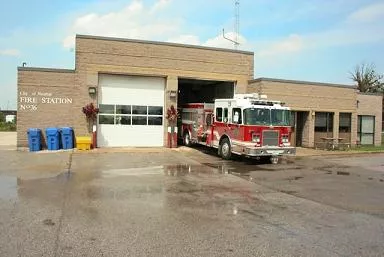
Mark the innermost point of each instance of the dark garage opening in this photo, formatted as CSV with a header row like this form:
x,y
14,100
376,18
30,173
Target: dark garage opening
x,y
203,91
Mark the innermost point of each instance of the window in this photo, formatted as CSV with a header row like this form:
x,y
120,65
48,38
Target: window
x,y
257,116
155,110
155,120
186,116
106,119
324,122
345,122
106,114
366,129
139,120
155,115
130,115
280,117
219,114
123,109
236,115
225,115
123,120
106,109
137,109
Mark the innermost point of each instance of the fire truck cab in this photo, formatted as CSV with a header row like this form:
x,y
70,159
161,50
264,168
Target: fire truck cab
x,y
248,125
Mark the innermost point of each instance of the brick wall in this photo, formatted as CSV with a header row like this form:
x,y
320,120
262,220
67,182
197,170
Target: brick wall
x,y
372,105
308,96
45,98
95,55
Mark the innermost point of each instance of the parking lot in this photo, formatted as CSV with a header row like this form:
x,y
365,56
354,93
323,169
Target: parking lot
x,y
188,202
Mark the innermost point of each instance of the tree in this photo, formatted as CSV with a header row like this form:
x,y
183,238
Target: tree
x,y
367,78
2,117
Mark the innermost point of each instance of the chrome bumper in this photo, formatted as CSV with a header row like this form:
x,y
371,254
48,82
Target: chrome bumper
x,y
270,151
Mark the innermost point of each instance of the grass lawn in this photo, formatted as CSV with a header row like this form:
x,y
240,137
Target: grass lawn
x,y
369,148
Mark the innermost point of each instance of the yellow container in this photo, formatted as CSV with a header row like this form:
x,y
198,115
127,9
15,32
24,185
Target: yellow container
x,y
83,143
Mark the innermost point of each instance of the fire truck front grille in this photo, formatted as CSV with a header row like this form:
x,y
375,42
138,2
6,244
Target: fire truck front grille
x,y
270,138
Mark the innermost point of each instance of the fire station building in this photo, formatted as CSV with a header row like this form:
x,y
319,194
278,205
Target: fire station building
x,y
324,110
135,82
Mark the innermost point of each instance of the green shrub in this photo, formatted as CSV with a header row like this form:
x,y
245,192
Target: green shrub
x,y
7,126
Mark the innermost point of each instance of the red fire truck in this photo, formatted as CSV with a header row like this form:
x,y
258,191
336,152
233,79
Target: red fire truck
x,y
248,125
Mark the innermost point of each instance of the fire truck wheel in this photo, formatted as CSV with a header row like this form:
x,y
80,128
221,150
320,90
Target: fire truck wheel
x,y
225,149
187,139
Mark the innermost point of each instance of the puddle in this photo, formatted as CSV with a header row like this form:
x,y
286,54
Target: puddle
x,y
205,168
295,168
295,178
8,187
181,186
146,183
290,192
169,170
141,181
339,169
48,222
344,173
142,171
221,168
253,213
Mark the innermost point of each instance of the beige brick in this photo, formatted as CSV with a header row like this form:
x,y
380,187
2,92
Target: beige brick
x,y
59,85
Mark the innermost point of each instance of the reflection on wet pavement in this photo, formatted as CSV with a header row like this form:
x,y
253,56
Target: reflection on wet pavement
x,y
94,184
143,171
8,187
135,181
180,185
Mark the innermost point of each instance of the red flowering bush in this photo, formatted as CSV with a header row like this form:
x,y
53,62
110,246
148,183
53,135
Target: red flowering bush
x,y
172,114
90,111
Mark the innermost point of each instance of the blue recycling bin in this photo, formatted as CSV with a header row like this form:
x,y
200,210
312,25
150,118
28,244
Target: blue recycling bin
x,y
34,139
53,138
67,137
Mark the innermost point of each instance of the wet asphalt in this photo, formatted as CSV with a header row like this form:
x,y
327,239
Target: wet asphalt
x,y
188,202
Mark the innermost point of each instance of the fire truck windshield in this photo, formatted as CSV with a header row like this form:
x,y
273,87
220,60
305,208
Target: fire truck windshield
x,y
280,117
261,116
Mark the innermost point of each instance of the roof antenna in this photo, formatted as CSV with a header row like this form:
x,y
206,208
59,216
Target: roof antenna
x,y
235,41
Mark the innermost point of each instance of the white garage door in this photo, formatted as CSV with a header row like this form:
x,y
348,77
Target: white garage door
x,y
131,111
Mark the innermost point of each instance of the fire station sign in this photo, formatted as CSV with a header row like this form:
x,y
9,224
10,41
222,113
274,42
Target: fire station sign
x,y
31,101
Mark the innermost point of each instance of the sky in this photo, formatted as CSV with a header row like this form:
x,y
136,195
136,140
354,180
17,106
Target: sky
x,y
313,40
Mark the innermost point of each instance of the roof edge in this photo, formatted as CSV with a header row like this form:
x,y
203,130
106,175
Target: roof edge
x,y
45,69
303,82
369,93
162,43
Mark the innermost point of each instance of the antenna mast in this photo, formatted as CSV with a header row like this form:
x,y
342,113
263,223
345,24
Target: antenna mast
x,y
237,23
236,26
